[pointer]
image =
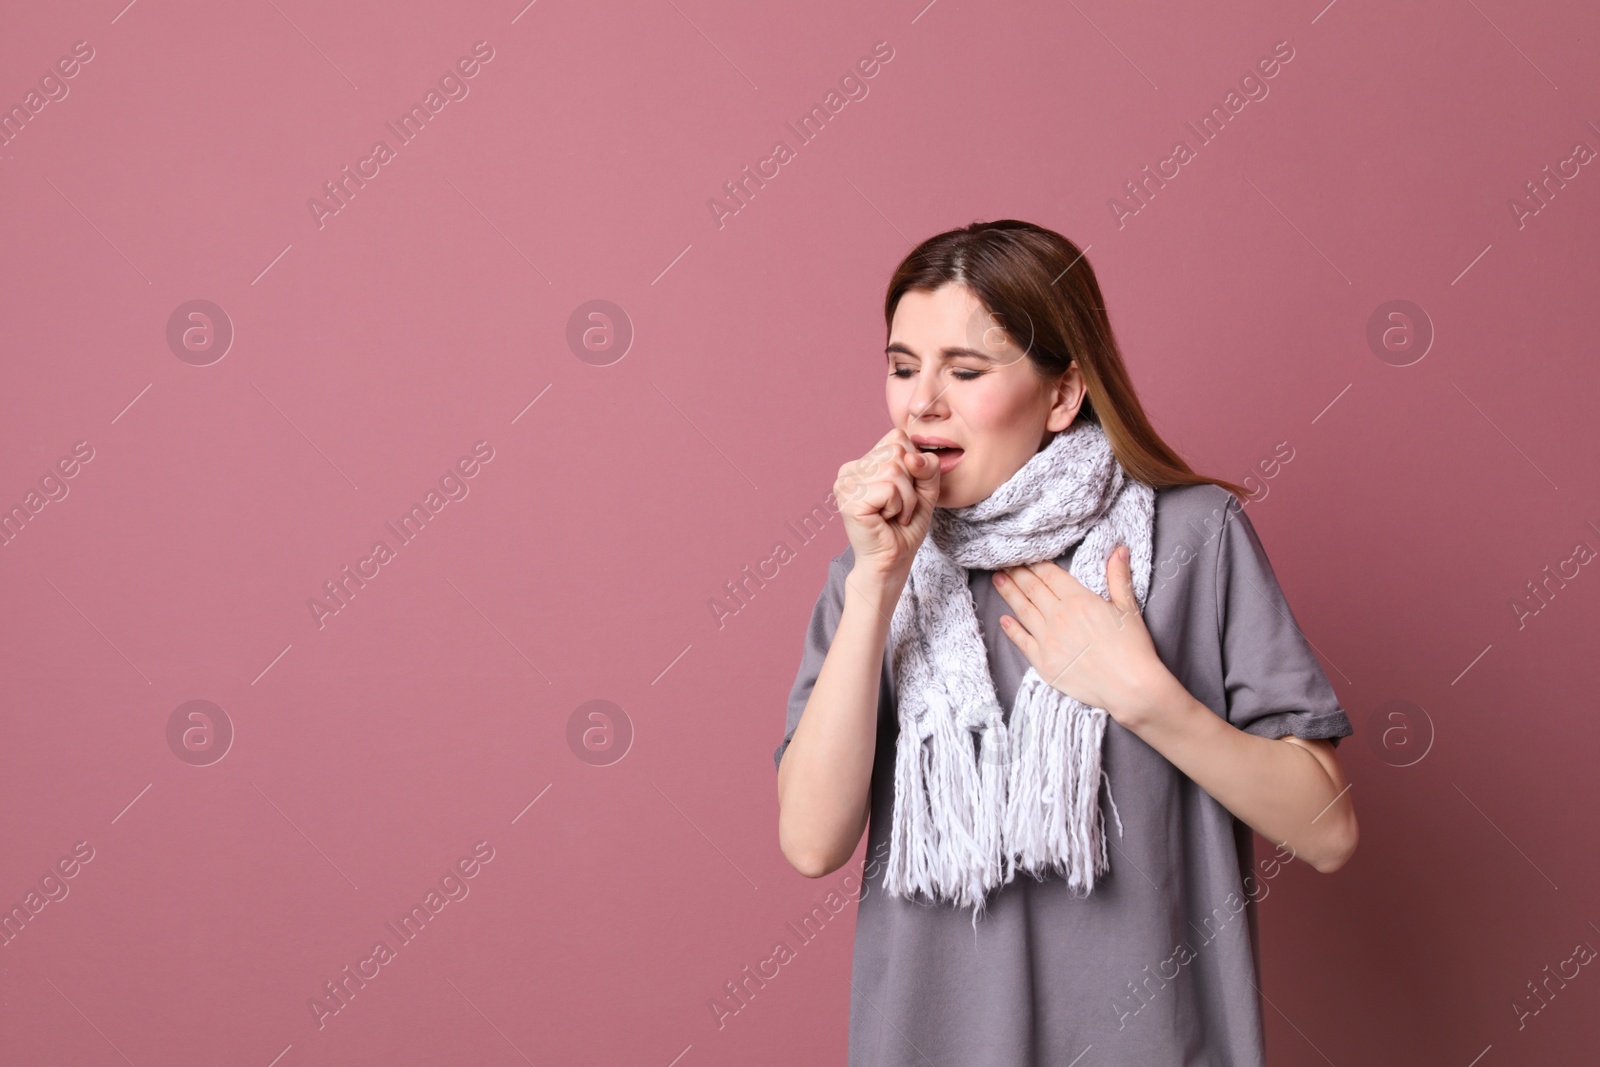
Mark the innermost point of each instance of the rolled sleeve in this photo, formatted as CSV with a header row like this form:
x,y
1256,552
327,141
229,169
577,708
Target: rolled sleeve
x,y
1273,681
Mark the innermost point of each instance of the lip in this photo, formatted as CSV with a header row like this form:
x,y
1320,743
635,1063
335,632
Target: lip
x,y
947,460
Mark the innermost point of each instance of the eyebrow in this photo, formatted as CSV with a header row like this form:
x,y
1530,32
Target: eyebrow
x,y
949,352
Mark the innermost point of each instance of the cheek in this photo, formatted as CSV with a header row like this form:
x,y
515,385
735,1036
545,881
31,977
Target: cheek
x,y
999,416
988,409
895,399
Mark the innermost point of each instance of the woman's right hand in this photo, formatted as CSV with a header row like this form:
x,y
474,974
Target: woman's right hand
x,y
887,499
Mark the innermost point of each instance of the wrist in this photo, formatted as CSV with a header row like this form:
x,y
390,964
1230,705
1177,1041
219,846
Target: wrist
x,y
874,587
1156,699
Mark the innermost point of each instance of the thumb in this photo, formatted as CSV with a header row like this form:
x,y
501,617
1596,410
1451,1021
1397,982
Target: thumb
x,y
926,469
1119,579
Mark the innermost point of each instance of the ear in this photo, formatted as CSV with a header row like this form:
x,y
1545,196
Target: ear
x,y
1066,397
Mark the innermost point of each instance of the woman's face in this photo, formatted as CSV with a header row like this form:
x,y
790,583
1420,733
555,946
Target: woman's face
x,y
956,377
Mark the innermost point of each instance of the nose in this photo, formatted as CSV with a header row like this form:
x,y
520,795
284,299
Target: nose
x,y
925,396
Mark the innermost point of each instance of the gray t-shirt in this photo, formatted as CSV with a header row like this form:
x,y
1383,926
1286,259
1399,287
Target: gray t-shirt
x,y
1158,965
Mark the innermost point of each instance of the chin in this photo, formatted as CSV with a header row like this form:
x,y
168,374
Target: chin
x,y
954,500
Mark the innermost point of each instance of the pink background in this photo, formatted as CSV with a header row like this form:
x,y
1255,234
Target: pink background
x,y
371,753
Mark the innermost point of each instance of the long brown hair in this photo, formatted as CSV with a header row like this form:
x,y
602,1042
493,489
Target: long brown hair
x,y
1038,283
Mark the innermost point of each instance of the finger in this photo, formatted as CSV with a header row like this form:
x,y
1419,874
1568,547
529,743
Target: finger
x,y
901,461
1035,587
903,488
1017,598
1019,637
905,495
850,487
908,493
925,469
882,450
894,434
1053,578
852,481
868,499
856,475
898,447
881,459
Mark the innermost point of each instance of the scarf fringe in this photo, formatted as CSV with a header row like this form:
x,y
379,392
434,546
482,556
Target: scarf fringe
x,y
949,792
1053,821
1028,801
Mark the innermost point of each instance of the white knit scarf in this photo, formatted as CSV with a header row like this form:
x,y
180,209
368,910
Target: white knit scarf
x,y
967,817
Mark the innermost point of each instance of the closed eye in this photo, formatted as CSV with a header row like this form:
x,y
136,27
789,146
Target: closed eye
x,y
963,375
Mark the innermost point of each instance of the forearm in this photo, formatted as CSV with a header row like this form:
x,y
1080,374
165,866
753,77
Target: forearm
x,y
825,776
1279,789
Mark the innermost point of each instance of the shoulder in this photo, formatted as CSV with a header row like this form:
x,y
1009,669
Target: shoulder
x,y
1190,517
1192,522
1185,503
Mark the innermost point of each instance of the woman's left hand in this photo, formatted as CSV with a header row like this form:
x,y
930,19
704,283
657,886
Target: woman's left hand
x,y
1094,650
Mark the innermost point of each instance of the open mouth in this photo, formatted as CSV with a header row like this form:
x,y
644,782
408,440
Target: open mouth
x,y
948,455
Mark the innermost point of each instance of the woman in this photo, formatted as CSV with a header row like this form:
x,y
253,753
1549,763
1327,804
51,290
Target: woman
x,y
1041,603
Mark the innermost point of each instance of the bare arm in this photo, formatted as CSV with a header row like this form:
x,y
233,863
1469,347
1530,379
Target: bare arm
x,y
825,775
1289,790
886,500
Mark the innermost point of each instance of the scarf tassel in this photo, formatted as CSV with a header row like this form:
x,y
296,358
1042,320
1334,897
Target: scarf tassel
x,y
942,786
1053,820
1029,801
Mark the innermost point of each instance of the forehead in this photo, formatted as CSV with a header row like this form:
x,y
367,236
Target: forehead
x,y
950,317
